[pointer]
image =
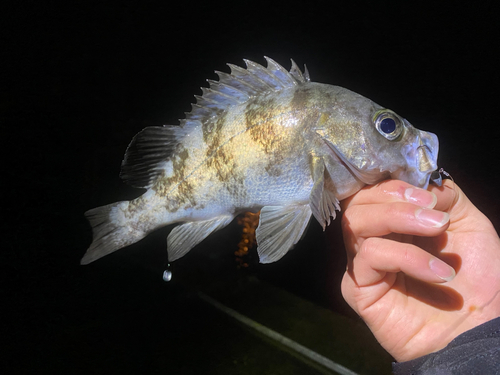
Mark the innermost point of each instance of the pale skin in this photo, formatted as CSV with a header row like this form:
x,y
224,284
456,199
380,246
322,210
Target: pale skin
x,y
423,265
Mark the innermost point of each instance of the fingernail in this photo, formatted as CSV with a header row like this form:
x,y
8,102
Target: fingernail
x,y
432,218
421,197
441,269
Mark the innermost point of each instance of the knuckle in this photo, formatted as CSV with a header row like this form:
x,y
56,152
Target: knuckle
x,y
392,210
408,256
398,211
351,219
369,247
348,216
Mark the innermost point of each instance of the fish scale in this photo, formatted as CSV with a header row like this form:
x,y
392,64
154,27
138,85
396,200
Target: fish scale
x,y
260,138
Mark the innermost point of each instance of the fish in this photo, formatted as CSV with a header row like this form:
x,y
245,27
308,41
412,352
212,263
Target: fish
x,y
259,138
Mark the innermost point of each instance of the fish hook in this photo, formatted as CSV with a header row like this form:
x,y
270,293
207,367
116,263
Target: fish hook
x,y
437,176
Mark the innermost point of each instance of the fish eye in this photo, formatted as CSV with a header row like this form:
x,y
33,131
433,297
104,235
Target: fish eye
x,y
388,124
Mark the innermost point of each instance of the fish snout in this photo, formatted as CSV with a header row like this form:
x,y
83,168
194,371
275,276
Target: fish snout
x,y
426,156
420,154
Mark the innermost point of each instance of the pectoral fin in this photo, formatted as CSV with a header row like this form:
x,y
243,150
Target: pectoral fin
x,y
323,201
186,236
280,227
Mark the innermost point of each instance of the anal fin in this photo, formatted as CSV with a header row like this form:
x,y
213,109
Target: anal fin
x,y
280,227
186,236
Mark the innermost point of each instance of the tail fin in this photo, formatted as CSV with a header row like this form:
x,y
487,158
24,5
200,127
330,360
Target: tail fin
x,y
110,232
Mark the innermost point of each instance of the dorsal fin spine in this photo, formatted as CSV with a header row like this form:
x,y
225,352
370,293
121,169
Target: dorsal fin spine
x,y
280,72
296,73
306,74
261,72
236,83
198,112
206,102
229,90
218,96
250,78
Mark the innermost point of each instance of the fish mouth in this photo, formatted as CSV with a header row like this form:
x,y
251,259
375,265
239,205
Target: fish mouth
x,y
421,159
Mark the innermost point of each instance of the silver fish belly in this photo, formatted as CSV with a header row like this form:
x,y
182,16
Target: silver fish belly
x,y
266,139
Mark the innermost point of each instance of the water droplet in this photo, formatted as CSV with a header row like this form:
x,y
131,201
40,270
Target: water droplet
x,y
167,275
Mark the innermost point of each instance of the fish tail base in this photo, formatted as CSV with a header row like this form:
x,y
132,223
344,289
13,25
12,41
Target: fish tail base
x,y
110,232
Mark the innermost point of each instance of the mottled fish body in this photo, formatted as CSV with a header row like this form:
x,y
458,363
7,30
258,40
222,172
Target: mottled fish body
x,y
259,139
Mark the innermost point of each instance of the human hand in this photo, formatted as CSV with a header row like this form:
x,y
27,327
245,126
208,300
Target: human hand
x,y
398,279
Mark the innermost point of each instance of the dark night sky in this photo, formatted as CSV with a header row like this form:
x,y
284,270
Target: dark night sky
x,y
80,80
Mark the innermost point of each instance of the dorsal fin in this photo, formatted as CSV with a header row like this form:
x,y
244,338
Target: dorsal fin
x,y
148,149
155,145
297,74
243,84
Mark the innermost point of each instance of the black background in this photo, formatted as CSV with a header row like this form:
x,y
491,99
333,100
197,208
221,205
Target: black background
x,y
79,80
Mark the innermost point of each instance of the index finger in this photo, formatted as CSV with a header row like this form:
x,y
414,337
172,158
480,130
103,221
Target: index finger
x,y
392,191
